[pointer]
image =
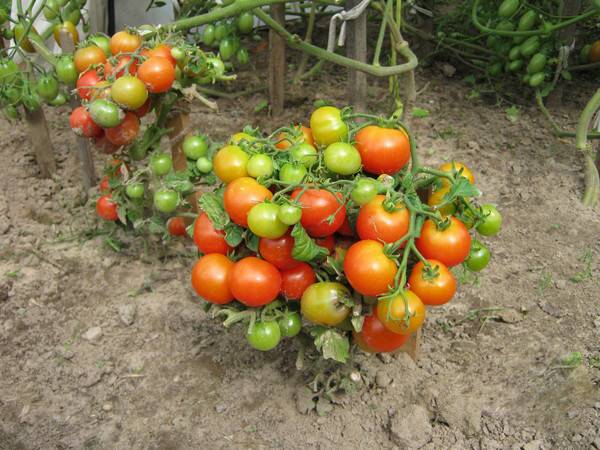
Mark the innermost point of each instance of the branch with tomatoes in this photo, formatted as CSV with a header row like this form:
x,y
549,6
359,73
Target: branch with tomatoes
x,y
335,232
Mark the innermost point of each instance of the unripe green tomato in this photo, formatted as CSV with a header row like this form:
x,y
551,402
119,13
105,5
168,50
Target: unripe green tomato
x,y
195,146
204,164
290,324
492,221
478,258
135,190
166,200
47,87
59,100
366,189
536,79
101,40
292,173
161,164
7,33
264,336
260,165
66,71
220,32
342,158
51,10
208,37
106,113
263,221
289,214
245,22
226,48
242,56
178,54
304,154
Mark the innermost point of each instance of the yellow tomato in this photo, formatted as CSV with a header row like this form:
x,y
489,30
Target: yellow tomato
x,y
454,167
437,197
392,313
229,163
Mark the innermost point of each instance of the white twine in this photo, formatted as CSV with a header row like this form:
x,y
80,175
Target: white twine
x,y
343,16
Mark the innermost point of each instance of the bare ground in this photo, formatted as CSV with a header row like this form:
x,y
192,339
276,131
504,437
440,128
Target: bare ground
x,y
490,375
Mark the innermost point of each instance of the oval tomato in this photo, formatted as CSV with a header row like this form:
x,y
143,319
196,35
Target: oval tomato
x,y
66,27
383,150
86,57
157,73
392,313
376,338
230,163
318,206
434,285
106,208
327,125
323,303
86,82
82,123
368,269
176,226
241,195
126,132
375,221
296,280
210,277
207,238
278,251
124,42
450,245
254,282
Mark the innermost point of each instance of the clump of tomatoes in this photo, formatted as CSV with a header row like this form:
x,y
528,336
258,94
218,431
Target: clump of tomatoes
x,y
335,230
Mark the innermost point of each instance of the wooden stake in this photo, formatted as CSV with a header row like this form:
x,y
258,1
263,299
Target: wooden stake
x,y
276,63
356,42
178,124
88,171
40,141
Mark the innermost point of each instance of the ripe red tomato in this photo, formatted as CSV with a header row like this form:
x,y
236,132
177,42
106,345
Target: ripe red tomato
x,y
376,338
176,226
207,238
124,42
327,242
104,185
317,207
82,124
296,280
392,313
118,70
382,150
278,251
162,50
254,282
450,246
157,73
376,223
144,109
87,80
432,290
86,57
346,229
103,145
210,278
284,142
368,269
106,208
241,195
126,132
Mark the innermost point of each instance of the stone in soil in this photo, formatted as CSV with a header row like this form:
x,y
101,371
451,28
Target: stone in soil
x,y
93,334
410,427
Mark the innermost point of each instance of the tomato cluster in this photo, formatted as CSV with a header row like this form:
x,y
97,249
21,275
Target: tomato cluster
x,y
226,36
330,228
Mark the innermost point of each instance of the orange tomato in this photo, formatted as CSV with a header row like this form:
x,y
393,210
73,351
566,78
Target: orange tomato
x,y
450,245
376,223
284,142
210,278
124,42
392,313
88,56
241,195
432,290
157,73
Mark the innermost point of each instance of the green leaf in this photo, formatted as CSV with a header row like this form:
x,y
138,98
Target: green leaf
x,y
212,204
321,102
190,229
462,188
179,181
155,226
305,248
252,241
234,234
513,113
331,343
261,106
122,214
419,113
566,75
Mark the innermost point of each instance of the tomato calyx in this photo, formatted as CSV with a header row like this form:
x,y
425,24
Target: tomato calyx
x,y
430,271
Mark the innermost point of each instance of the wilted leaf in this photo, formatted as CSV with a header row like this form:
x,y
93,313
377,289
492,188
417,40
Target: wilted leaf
x,y
212,204
331,343
305,248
